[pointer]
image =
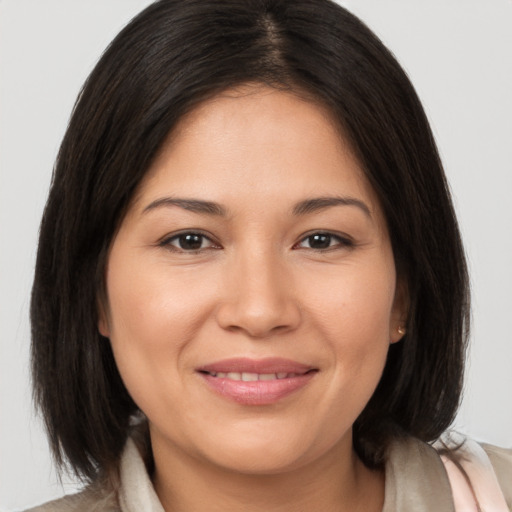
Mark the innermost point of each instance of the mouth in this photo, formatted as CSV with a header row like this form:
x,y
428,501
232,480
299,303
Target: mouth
x,y
256,382
253,377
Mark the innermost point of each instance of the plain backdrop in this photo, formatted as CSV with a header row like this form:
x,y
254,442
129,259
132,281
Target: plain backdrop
x,y
458,54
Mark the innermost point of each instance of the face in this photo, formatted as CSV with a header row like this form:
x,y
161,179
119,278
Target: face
x,y
251,286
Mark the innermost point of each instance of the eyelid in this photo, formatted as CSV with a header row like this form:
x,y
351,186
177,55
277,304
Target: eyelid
x,y
166,241
345,240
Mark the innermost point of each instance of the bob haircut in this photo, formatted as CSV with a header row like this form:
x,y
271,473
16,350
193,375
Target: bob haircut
x,y
171,57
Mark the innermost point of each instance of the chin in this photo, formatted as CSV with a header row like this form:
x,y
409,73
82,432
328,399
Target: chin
x,y
266,452
269,460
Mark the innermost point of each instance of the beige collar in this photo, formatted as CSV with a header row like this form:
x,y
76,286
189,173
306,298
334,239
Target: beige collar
x,y
137,492
415,481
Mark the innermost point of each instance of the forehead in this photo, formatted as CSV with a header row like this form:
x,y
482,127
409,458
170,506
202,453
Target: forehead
x,y
273,143
259,117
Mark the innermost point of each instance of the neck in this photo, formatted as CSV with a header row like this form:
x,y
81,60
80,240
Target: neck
x,y
338,481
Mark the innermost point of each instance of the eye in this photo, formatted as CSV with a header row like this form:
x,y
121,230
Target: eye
x,y
188,242
324,241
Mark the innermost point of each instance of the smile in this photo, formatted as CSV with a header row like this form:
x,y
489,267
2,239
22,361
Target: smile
x,y
256,382
253,377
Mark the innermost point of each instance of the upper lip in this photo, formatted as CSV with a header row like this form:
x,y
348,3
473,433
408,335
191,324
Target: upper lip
x,y
261,366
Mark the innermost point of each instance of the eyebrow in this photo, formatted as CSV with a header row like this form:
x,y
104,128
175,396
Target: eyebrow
x,y
215,209
320,203
193,205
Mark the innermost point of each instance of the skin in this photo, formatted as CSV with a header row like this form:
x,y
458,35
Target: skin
x,y
257,287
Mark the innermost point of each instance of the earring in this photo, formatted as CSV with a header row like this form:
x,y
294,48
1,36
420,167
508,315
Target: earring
x,y
401,330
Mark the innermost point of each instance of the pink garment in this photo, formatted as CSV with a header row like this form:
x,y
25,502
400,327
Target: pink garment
x,y
474,483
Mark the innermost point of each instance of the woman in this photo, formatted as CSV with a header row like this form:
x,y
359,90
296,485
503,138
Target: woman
x,y
258,290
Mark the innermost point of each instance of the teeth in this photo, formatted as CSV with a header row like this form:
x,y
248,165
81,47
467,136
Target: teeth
x,y
252,377
249,377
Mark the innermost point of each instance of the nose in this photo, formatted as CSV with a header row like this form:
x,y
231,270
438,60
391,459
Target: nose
x,y
258,298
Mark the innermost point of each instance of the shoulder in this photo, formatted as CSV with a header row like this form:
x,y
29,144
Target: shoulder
x,y
415,478
501,460
133,490
91,499
487,468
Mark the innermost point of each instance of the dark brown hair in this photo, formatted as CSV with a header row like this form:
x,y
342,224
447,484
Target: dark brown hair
x,y
171,57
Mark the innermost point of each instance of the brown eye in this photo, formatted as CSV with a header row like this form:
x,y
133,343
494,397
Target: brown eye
x,y
188,242
323,241
319,241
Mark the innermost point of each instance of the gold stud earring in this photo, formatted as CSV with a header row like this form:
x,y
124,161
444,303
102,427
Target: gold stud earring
x,y
401,330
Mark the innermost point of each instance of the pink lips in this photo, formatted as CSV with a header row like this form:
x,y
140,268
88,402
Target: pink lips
x,y
256,382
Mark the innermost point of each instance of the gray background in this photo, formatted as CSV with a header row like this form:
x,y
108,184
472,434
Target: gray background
x,y
458,54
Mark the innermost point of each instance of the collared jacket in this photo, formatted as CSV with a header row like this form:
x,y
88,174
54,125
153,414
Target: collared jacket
x,y
415,481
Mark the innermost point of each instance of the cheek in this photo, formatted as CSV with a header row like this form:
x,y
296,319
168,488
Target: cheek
x,y
353,311
151,302
354,306
154,315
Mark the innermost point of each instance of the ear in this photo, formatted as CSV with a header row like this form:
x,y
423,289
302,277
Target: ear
x,y
103,318
399,312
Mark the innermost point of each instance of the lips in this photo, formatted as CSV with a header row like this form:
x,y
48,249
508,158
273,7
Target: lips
x,y
256,382
252,377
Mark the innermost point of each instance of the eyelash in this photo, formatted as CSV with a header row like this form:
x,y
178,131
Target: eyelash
x,y
166,242
344,242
